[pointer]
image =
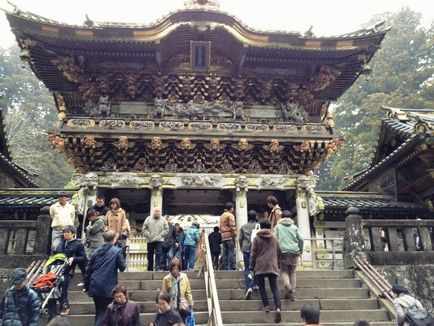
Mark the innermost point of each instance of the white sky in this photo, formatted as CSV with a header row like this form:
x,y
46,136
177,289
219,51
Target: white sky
x,y
329,17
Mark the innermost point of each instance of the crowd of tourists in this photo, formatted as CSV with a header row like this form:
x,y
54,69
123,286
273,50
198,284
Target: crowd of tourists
x,y
270,246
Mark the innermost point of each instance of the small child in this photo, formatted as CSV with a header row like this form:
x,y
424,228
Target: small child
x,y
166,315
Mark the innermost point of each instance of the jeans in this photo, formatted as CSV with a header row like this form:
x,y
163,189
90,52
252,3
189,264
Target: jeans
x,y
157,249
100,308
229,259
168,254
56,238
64,291
215,259
190,256
272,279
249,283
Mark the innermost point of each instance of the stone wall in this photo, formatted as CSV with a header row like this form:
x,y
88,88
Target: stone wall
x,y
419,279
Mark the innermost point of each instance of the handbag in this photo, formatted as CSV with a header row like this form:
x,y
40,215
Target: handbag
x,y
190,320
254,232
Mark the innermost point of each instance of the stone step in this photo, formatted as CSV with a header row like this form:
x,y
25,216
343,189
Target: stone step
x,y
301,274
301,283
145,319
327,316
88,307
144,284
351,323
233,284
324,304
302,293
238,294
136,295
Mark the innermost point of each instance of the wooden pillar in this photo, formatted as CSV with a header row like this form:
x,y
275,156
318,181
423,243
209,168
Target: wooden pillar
x,y
303,219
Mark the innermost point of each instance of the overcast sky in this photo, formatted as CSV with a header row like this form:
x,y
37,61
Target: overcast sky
x,y
329,17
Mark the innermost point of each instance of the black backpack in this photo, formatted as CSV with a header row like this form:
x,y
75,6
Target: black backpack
x,y
419,317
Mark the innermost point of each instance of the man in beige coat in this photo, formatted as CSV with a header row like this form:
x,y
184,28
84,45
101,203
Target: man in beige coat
x,y
228,230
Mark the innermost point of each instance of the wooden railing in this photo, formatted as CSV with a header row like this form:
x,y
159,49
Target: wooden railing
x,y
25,237
399,235
325,252
214,312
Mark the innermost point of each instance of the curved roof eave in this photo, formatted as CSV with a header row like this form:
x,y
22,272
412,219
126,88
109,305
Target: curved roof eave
x,y
39,25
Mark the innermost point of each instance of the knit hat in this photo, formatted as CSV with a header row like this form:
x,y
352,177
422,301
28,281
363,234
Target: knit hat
x,y
18,276
399,288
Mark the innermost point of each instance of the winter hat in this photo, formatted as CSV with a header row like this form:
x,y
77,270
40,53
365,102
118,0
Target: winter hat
x,y
399,288
18,276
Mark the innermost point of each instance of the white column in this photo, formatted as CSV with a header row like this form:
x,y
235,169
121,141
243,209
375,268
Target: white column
x,y
156,200
240,213
303,221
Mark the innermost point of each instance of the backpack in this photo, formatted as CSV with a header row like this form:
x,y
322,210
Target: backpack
x,y
418,317
254,231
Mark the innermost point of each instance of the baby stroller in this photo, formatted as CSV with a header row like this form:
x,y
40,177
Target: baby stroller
x,y
49,284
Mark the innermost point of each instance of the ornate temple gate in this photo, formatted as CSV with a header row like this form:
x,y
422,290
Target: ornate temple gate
x,y
185,193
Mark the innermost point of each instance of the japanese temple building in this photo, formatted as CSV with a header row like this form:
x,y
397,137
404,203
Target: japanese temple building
x,y
198,109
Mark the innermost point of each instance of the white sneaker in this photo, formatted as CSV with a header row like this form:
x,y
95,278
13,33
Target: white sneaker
x,y
248,294
80,284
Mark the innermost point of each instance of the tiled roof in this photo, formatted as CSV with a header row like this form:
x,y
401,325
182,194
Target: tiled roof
x,y
29,198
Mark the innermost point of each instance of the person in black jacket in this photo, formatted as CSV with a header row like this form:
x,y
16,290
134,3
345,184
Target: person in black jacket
x,y
102,275
168,247
215,241
75,254
166,315
20,304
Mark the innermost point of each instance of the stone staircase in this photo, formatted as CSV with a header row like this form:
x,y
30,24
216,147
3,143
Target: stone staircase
x,y
341,297
142,287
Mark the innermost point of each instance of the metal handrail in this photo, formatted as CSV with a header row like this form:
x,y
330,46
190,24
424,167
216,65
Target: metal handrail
x,y
214,312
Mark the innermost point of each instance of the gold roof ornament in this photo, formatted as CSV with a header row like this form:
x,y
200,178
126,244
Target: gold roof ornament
x,y
205,3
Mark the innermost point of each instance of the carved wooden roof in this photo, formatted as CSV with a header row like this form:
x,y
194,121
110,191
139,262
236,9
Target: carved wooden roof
x,y
406,144
21,176
67,57
195,146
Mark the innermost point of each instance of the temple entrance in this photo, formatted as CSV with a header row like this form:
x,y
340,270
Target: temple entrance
x,y
257,200
195,201
135,202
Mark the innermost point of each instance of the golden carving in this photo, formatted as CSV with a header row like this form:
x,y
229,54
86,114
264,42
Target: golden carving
x,y
89,141
333,146
122,143
324,78
274,147
214,144
330,123
156,143
243,145
186,144
57,141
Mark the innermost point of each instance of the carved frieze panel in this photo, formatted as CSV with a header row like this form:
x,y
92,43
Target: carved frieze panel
x,y
172,125
145,125
81,123
229,126
314,129
290,129
257,127
111,124
200,126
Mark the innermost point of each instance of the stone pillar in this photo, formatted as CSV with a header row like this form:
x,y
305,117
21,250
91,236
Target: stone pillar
x,y
303,217
354,240
42,236
156,193
240,209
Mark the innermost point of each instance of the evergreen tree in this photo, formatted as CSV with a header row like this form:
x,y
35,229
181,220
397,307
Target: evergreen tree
x,y
402,76
30,113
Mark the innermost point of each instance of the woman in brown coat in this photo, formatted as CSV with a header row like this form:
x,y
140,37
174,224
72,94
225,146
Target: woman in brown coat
x,y
117,220
264,257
